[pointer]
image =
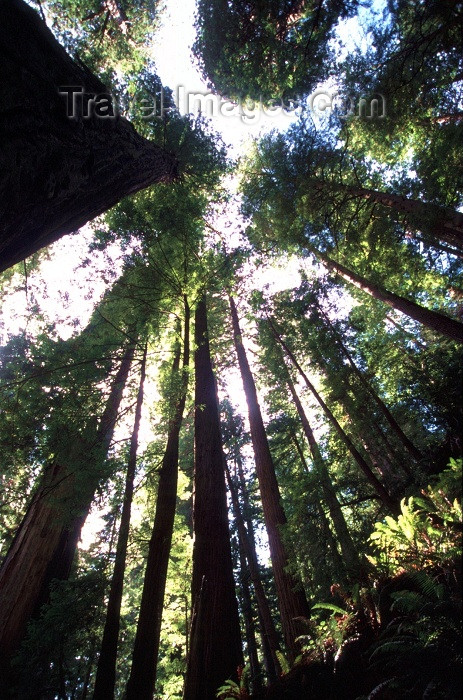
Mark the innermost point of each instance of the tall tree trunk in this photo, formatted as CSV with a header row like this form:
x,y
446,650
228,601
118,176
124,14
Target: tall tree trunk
x,y
45,543
362,464
248,546
142,680
56,171
407,443
106,670
215,641
268,632
349,551
443,325
249,624
291,597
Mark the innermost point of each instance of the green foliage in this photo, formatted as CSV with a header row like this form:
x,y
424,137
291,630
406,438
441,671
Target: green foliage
x,y
61,646
108,36
326,633
231,690
266,50
420,650
299,189
428,530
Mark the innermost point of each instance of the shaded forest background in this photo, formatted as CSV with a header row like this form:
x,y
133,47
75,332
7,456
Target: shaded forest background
x,y
304,540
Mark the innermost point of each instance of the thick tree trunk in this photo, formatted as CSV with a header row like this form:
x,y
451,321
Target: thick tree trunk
x,y
291,597
362,464
142,680
443,325
248,546
56,171
44,545
106,670
215,641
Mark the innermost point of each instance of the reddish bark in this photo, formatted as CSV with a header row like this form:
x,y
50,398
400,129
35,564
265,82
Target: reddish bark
x,y
443,325
215,642
45,543
291,597
56,172
249,550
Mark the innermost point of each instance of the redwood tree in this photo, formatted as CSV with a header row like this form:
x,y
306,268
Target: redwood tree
x,y
291,598
215,643
440,323
59,170
106,670
46,540
142,680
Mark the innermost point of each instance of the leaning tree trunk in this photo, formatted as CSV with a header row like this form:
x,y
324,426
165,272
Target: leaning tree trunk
x,y
45,543
57,170
215,646
142,680
387,499
438,222
291,598
349,551
106,670
406,442
443,325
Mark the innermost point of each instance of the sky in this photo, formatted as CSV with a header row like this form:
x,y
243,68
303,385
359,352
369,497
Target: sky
x,y
172,55
69,303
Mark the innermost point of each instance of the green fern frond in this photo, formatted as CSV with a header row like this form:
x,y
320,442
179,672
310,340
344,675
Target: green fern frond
x,y
329,606
408,601
395,646
284,663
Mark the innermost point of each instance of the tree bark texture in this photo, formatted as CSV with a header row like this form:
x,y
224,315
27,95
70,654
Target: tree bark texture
x,y
215,641
266,626
444,325
142,680
46,540
58,172
292,602
106,669
249,624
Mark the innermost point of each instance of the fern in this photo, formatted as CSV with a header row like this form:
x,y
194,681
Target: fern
x,y
329,606
421,536
284,663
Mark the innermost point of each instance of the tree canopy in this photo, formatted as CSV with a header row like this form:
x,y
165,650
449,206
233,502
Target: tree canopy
x,y
235,470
